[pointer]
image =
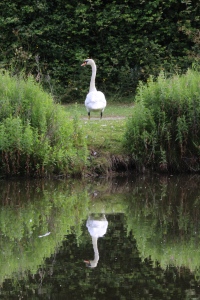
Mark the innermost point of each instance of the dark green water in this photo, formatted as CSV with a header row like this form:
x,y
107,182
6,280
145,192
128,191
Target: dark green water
x,y
149,249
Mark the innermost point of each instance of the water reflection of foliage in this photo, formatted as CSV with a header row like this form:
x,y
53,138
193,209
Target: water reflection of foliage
x,y
120,272
29,210
164,217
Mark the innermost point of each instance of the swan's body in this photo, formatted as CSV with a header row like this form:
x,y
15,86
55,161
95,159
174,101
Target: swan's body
x,y
95,100
96,228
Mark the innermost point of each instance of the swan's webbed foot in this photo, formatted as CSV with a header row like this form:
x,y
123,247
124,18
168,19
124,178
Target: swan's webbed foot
x,y
88,115
101,115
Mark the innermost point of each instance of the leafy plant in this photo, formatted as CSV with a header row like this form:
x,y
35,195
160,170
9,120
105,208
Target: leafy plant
x,y
37,136
129,41
163,132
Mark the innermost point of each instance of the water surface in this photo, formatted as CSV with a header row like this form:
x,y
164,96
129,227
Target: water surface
x,y
139,238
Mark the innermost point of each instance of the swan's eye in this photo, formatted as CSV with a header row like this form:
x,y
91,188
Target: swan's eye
x,y
86,61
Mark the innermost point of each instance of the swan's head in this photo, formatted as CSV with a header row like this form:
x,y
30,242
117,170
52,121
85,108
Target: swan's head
x,y
90,263
88,61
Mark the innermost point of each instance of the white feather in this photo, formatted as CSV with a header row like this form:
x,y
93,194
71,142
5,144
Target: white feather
x,y
95,101
46,234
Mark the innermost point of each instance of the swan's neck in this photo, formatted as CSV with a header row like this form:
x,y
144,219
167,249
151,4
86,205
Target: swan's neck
x,y
92,81
94,262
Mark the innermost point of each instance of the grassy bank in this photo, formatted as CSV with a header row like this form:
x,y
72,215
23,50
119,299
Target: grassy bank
x,y
40,138
160,133
104,136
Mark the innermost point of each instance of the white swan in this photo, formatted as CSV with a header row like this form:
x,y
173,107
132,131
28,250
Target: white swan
x,y
95,100
96,228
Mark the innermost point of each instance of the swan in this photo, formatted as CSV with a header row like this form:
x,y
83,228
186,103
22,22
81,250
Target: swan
x,y
96,228
95,100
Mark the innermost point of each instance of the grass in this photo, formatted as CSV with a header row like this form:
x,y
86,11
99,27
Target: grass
x,y
112,110
103,135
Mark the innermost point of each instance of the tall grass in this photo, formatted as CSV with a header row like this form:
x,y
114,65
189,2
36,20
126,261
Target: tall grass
x,y
164,130
37,137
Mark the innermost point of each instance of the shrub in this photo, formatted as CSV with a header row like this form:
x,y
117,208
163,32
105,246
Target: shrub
x,y
128,40
37,137
164,130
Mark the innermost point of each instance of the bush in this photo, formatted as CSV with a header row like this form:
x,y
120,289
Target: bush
x,y
164,130
128,40
37,137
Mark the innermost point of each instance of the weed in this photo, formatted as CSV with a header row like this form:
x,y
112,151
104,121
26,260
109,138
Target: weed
x,y
164,130
37,137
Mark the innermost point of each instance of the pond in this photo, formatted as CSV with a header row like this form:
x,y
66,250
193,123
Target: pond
x,y
109,238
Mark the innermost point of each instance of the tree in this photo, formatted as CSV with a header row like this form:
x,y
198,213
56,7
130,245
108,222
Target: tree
x,y
128,40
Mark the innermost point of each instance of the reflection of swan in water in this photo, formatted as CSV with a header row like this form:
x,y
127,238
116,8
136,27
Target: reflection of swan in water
x,y
97,227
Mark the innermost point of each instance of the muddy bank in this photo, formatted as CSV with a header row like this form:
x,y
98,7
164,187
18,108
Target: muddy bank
x,y
101,164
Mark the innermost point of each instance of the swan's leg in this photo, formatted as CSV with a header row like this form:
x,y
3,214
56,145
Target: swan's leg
x,y
89,115
101,115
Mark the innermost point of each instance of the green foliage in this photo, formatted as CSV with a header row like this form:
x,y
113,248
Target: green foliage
x,y
129,41
163,217
37,137
164,130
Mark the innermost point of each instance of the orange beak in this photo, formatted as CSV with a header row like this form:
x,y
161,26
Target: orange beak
x,y
83,64
86,261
